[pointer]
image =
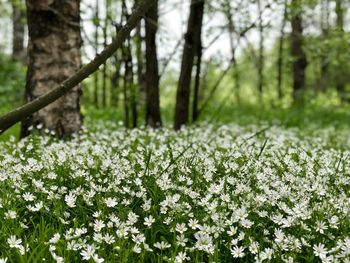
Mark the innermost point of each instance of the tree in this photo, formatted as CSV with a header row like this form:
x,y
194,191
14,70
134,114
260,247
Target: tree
x,y
233,47
340,85
153,115
324,57
297,52
18,17
129,90
261,58
54,55
23,112
280,60
194,28
96,21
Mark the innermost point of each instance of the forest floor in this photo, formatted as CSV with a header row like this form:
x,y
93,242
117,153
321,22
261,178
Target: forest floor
x,y
209,193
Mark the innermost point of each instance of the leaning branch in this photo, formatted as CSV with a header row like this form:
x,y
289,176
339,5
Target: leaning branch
x,y
22,112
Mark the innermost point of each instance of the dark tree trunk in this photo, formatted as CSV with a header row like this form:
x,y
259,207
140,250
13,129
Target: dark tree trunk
x,y
153,115
184,86
231,27
129,87
198,54
54,55
261,61
18,17
115,78
105,65
97,25
324,65
280,61
141,68
340,84
297,52
195,109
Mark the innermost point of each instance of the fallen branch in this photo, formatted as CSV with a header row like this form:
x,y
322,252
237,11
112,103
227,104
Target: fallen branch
x,y
22,112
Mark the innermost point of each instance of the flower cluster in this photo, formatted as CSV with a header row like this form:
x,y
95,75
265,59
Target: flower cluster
x,y
205,194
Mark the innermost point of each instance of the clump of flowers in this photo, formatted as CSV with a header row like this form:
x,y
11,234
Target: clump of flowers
x,y
205,194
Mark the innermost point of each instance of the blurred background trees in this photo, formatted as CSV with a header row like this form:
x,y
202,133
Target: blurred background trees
x,y
191,60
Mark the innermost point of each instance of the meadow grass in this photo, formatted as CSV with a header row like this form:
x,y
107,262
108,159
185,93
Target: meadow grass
x,y
209,193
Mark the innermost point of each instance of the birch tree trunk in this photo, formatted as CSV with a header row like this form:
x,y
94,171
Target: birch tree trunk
x,y
54,55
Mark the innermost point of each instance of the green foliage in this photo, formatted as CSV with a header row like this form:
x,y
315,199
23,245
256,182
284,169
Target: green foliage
x,y
12,79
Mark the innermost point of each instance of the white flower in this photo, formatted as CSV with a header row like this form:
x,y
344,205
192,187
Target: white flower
x,y
28,196
320,227
55,238
193,224
88,252
334,222
132,218
51,175
279,236
137,249
122,231
36,207
162,245
320,251
109,239
232,231
70,199
98,225
266,254
254,248
10,214
97,259
149,221
181,240
139,238
111,202
181,228
3,260
204,242
57,258
181,257
237,252
14,242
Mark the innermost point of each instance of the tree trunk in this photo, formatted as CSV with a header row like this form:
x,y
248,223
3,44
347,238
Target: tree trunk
x,y
141,77
18,17
97,25
280,54
153,115
297,52
231,27
129,87
23,112
105,65
184,86
261,52
340,85
139,40
324,65
195,106
54,55
115,79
